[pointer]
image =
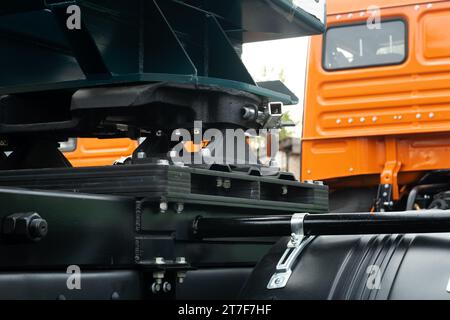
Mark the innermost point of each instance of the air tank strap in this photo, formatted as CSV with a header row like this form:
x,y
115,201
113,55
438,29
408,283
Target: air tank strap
x,y
294,248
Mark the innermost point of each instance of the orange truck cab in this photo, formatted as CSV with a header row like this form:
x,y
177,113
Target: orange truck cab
x,y
377,109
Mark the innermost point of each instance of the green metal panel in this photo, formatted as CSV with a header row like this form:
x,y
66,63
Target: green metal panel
x,y
131,41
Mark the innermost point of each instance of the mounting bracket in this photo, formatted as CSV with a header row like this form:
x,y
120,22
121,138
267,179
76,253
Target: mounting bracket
x,y
295,246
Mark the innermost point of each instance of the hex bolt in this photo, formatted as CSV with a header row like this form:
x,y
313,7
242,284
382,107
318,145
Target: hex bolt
x,y
156,287
38,228
278,280
158,276
227,184
163,206
179,207
181,275
167,287
180,260
294,239
219,182
115,296
141,155
172,153
24,227
159,260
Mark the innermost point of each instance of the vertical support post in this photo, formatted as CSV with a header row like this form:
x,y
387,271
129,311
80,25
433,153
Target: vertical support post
x,y
389,175
388,191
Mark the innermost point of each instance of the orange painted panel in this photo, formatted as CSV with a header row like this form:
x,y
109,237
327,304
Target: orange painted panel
x,y
100,152
337,158
435,35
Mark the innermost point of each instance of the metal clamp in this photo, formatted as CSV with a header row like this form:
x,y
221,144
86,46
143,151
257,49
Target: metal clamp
x,y
294,248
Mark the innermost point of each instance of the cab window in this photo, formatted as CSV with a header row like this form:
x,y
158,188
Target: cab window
x,y
358,46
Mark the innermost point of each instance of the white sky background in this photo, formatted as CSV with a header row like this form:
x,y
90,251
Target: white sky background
x,y
267,60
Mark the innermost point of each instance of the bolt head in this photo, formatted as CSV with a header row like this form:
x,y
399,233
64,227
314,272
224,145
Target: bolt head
x,y
227,184
141,155
179,207
180,260
167,287
180,276
156,287
38,228
159,260
163,206
278,280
